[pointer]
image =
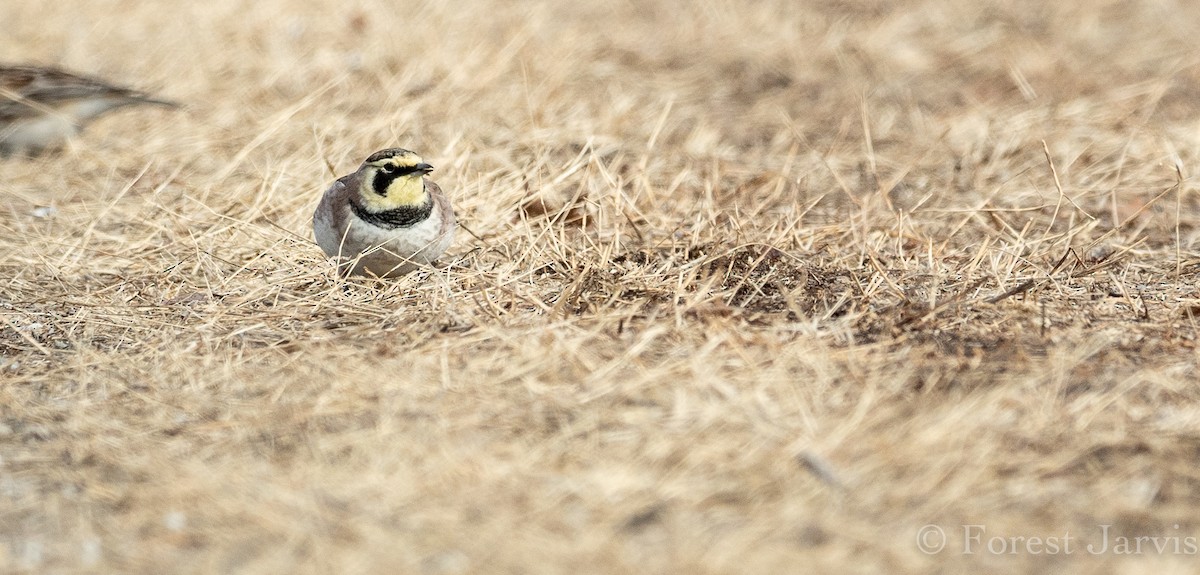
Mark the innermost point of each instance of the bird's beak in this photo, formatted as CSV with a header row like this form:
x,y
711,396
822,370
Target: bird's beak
x,y
424,168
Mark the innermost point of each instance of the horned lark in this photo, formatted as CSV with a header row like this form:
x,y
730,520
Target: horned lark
x,y
40,106
385,219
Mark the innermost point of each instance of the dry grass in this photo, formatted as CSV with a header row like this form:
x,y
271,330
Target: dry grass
x,y
748,288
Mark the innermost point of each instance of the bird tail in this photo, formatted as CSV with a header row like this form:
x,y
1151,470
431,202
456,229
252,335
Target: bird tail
x,y
143,98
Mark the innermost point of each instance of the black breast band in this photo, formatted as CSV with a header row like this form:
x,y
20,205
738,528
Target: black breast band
x,y
402,217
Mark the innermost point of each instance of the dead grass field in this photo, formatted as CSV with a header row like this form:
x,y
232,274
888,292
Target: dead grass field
x,y
743,288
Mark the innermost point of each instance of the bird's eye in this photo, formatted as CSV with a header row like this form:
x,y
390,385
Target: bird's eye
x,y
388,168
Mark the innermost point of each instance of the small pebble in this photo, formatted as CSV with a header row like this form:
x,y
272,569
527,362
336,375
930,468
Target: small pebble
x,y
175,521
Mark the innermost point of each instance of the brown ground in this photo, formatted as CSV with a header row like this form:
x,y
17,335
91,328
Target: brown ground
x,y
743,287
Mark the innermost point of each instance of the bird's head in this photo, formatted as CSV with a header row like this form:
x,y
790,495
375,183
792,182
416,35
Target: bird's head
x,y
393,178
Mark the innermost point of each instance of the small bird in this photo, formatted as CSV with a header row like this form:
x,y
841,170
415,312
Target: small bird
x,y
40,107
385,219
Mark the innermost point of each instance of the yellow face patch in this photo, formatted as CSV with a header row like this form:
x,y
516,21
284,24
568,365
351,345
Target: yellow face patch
x,y
394,181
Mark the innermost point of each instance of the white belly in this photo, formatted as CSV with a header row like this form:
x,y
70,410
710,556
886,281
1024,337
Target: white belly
x,y
35,134
382,252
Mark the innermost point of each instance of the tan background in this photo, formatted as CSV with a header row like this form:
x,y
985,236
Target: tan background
x,y
822,273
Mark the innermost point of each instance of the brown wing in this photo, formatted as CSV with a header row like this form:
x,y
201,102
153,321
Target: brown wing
x,y
27,90
441,203
329,221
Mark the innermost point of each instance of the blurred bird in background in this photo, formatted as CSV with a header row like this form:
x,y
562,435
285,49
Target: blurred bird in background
x,y
40,107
